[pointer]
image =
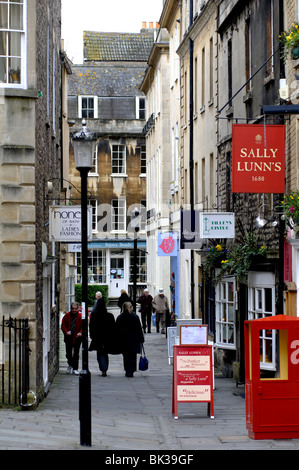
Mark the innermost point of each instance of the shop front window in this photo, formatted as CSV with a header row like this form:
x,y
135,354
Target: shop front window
x,y
141,267
96,267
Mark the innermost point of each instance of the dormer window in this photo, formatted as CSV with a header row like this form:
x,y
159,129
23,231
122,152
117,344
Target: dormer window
x,y
88,107
140,107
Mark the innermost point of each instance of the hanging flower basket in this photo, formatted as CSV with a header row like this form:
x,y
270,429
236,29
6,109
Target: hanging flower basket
x,y
290,208
289,41
235,261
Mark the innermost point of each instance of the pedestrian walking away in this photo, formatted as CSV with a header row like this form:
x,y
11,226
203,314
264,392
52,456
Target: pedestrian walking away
x,y
145,302
71,326
161,306
123,298
98,296
102,333
130,337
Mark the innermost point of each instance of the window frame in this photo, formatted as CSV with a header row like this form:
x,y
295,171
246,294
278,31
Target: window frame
x,y
23,47
140,110
120,205
141,267
121,156
95,106
257,303
143,160
225,305
94,168
94,206
97,259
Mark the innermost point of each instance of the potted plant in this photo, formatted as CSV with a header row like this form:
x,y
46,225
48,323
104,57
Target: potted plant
x,y
289,41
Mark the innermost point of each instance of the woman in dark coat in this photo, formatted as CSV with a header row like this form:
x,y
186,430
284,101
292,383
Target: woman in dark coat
x,y
130,337
122,299
102,334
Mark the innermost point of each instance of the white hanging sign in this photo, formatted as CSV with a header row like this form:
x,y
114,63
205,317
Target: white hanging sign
x,y
217,225
65,224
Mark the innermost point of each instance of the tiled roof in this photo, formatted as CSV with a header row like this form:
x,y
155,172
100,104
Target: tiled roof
x,y
106,80
117,46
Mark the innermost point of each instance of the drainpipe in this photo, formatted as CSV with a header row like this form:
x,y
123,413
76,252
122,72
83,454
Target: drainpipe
x,y
191,160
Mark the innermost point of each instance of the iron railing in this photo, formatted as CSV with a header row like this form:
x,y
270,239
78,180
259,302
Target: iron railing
x,y
14,361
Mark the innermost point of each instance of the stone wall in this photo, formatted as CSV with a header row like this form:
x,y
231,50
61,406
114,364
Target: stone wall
x,y
29,155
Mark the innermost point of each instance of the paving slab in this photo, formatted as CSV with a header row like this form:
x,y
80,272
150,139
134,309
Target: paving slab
x,y
134,414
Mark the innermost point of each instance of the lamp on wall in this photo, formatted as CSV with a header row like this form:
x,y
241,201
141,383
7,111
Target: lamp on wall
x,y
261,221
84,146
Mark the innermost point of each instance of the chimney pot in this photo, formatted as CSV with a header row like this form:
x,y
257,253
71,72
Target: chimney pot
x,y
151,24
143,24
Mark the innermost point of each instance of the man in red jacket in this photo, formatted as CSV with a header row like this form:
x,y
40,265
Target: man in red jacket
x,y
71,326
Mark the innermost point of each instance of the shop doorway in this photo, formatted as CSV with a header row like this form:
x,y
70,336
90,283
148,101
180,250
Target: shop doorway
x,y
117,275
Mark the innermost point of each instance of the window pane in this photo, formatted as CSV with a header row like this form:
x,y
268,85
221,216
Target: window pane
x,y
3,16
230,291
224,335
259,299
231,338
2,70
3,43
14,70
14,41
223,312
223,291
268,300
16,17
230,313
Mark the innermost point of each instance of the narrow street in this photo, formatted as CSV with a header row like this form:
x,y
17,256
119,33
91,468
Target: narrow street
x,y
134,414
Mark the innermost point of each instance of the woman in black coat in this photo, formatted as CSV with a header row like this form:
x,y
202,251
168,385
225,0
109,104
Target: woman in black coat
x,y
122,299
102,334
130,337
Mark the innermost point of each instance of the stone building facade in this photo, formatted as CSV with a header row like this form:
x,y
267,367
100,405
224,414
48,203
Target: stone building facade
x,y
105,92
230,71
30,156
158,148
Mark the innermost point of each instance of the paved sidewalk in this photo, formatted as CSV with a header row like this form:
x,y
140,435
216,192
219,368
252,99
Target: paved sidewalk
x,y
134,414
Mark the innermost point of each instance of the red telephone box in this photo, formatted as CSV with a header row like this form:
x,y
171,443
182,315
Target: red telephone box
x,y
272,395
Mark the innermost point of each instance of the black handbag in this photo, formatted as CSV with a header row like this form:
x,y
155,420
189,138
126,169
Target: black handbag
x,y
143,361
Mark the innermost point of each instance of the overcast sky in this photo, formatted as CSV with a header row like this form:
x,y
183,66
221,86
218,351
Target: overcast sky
x,y
123,16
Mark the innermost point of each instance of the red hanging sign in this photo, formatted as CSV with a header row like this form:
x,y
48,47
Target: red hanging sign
x,y
258,159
